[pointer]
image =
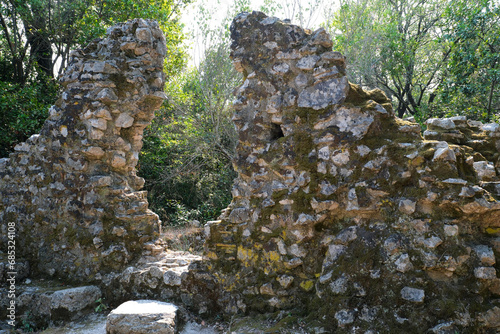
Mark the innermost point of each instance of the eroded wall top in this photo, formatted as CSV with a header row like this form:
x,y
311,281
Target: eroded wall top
x,y
346,211
72,191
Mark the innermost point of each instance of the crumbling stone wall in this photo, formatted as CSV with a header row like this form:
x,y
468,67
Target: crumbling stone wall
x,y
72,191
342,209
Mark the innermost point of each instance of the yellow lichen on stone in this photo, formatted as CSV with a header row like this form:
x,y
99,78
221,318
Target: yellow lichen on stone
x,y
211,255
226,246
274,256
272,262
247,256
493,230
307,285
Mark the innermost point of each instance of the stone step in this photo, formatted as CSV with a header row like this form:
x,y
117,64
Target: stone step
x,y
45,303
143,317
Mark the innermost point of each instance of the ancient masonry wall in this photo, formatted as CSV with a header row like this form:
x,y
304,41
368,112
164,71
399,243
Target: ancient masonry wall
x,y
72,191
343,210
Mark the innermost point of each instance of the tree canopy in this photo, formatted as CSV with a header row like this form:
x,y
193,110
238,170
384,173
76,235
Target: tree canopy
x,y
420,50
471,79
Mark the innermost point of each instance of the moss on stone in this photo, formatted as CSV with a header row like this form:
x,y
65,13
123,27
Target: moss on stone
x,y
361,98
303,145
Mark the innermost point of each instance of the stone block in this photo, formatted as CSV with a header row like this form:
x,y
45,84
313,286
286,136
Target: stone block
x,y
75,299
412,294
143,317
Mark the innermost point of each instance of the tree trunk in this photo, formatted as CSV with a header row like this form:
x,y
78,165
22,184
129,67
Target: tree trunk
x,y
41,51
19,76
37,31
490,100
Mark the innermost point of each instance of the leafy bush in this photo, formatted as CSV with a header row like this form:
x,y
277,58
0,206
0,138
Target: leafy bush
x,y
186,157
23,111
185,177
471,83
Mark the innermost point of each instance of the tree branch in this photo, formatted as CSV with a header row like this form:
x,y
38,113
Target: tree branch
x,y
7,35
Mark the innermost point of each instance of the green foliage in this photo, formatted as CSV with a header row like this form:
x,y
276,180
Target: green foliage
x,y
185,158
101,306
472,83
355,33
187,153
187,178
27,323
434,58
394,45
23,111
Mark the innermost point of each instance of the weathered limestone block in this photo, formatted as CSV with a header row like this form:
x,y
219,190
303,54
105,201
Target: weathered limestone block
x,y
67,188
45,303
159,274
344,210
75,299
143,317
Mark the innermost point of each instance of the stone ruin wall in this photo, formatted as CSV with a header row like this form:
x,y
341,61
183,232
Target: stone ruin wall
x,y
345,211
340,210
72,191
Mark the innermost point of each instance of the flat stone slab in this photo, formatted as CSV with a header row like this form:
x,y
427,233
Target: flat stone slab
x,y
75,299
49,304
143,317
